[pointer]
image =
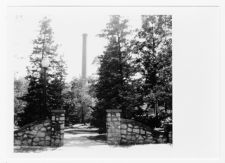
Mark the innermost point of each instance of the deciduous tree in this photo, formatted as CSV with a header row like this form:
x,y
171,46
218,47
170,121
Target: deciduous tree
x,y
152,48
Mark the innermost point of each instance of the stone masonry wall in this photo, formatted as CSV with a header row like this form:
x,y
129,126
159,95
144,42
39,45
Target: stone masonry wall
x,y
126,131
133,132
34,134
57,127
48,132
113,127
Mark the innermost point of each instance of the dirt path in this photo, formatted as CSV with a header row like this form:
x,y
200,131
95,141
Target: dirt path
x,y
83,136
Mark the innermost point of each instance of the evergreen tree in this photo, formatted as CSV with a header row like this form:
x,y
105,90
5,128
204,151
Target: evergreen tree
x,y
114,72
44,46
153,57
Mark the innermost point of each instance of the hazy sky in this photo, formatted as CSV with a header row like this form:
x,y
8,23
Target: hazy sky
x,y
68,25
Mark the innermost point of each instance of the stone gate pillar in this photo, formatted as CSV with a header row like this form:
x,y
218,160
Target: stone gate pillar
x,y
113,126
57,127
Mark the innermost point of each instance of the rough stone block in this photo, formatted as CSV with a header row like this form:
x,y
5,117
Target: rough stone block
x,y
62,118
62,126
57,141
35,143
142,132
117,124
147,141
20,134
140,142
164,140
123,131
43,129
114,119
109,134
118,114
29,141
40,125
36,128
110,142
160,140
140,138
41,143
24,143
112,127
46,124
17,142
40,134
123,141
47,143
136,130
42,138
17,138
148,133
153,142
124,126
129,129
128,137
36,139
123,136
137,135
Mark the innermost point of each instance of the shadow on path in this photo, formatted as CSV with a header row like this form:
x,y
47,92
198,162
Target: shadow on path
x,y
83,136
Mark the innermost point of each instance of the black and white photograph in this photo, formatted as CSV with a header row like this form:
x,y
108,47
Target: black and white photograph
x,y
112,82
81,83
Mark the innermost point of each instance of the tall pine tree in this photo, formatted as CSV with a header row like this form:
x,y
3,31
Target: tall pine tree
x,y
114,72
43,46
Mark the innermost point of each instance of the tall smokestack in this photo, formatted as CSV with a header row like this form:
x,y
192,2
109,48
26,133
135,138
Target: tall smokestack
x,y
84,80
84,59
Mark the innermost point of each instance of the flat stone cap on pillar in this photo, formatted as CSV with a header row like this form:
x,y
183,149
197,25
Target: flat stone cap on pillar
x,y
58,111
113,110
